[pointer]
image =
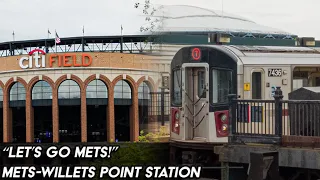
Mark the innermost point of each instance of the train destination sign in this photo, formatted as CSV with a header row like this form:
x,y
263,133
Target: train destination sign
x,y
38,60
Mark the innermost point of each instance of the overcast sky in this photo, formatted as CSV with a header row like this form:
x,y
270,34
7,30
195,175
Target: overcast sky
x,y
30,19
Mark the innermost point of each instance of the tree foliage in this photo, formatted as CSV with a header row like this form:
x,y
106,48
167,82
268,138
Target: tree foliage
x,y
153,137
154,22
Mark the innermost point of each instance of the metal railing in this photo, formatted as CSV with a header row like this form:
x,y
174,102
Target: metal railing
x,y
272,121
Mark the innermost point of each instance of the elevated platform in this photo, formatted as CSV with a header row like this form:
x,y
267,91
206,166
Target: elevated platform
x,y
306,158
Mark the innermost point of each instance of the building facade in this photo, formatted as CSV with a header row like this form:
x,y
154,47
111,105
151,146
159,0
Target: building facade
x,y
77,96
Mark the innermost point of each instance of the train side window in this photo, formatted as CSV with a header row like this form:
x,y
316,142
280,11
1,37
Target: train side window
x,y
201,84
256,85
176,90
221,85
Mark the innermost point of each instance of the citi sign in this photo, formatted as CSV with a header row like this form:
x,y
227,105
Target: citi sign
x,y
38,60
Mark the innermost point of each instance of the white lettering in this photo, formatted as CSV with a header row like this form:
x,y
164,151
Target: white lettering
x,y
30,62
21,63
43,61
7,173
36,59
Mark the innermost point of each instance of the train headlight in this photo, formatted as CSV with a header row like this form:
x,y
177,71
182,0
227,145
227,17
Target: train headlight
x,y
223,118
177,115
176,124
224,127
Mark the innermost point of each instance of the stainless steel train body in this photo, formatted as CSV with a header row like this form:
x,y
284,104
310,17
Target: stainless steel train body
x,y
203,76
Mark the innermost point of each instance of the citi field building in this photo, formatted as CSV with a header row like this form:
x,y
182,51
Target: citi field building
x,y
87,89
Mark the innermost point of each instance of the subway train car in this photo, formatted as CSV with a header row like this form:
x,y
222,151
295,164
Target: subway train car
x,y
203,76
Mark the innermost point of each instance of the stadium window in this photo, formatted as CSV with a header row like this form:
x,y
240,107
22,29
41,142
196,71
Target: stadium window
x,y
143,91
122,90
69,89
41,90
17,92
1,94
96,89
256,85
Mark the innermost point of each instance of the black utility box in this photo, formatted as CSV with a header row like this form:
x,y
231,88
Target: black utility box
x,y
304,111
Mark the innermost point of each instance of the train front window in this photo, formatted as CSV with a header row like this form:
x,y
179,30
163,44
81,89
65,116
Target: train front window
x,y
221,85
201,84
177,95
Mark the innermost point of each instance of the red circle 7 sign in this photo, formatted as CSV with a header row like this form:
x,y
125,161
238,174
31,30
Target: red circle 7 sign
x,y
196,53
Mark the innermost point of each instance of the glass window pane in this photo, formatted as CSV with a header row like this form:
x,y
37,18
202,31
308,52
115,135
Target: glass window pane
x,y
17,92
21,97
177,95
37,96
126,89
102,88
64,89
222,83
118,89
100,83
93,83
126,95
14,90
13,97
201,84
118,95
91,95
69,89
41,90
46,89
63,95
74,95
74,88
47,95
91,88
101,95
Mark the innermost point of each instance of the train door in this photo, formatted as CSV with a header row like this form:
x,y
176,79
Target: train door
x,y
257,84
195,95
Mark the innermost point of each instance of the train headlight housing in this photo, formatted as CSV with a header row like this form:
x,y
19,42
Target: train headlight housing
x,y
223,117
177,116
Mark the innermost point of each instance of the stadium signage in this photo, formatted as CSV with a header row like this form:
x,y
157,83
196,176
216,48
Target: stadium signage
x,y
38,60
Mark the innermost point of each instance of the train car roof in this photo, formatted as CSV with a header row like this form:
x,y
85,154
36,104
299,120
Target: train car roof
x,y
276,55
256,55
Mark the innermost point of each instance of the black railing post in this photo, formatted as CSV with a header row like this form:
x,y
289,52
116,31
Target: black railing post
x,y
162,106
232,115
278,112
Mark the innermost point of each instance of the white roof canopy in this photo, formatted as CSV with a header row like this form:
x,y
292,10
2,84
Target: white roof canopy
x,y
190,18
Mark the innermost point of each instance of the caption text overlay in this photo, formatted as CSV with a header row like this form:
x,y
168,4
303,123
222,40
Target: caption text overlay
x,y
84,171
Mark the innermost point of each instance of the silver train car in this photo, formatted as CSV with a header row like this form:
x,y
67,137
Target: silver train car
x,y
203,76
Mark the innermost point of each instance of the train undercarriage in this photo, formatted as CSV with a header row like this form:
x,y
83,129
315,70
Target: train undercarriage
x,y
196,154
243,162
